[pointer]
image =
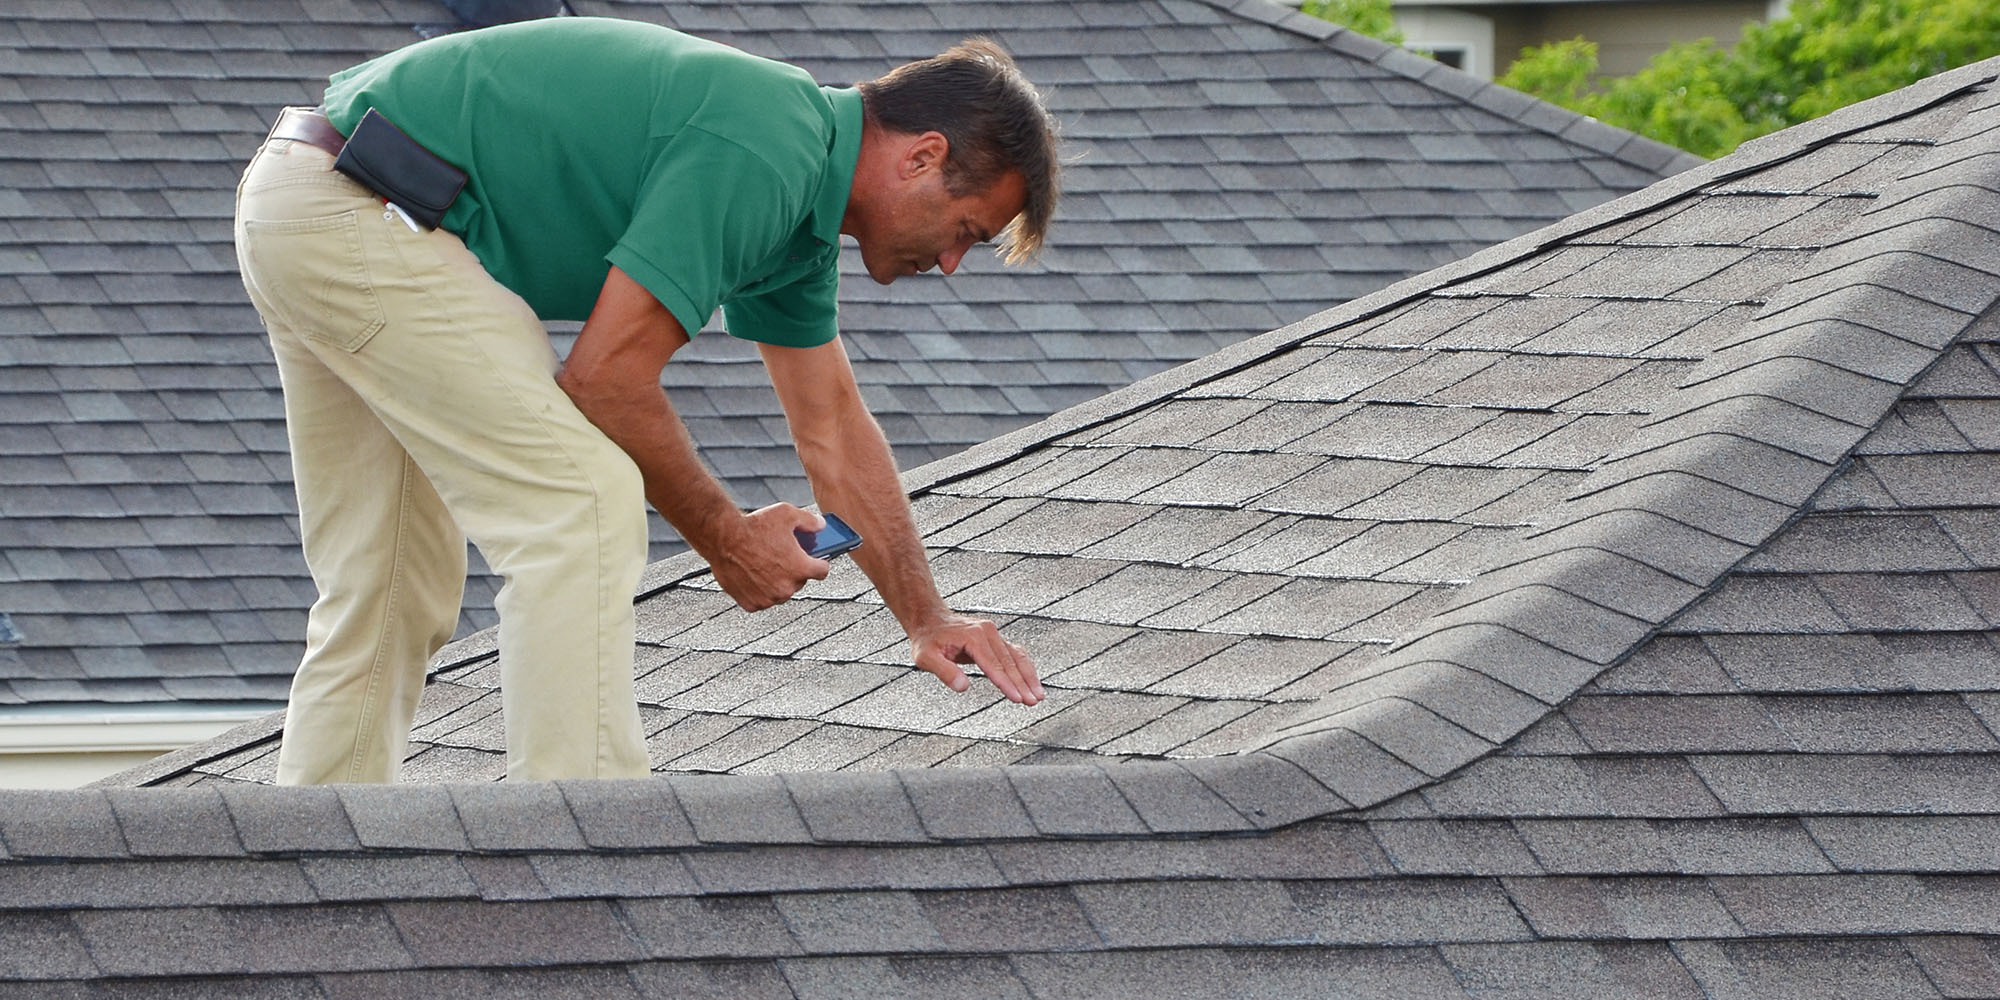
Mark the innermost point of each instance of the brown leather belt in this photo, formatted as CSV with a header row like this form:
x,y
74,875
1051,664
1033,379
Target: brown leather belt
x,y
310,126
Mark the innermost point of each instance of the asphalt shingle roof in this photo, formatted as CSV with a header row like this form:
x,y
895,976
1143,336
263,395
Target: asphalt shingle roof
x,y
1709,713
1237,166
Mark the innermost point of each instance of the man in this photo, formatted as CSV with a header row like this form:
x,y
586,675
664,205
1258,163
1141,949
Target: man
x,y
635,178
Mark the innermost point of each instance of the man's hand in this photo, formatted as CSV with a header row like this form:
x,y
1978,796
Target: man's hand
x,y
761,563
957,639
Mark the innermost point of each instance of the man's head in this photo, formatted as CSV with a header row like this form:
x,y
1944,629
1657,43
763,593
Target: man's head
x,y
957,150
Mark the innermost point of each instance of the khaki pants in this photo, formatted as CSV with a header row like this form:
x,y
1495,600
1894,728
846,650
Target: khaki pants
x,y
420,397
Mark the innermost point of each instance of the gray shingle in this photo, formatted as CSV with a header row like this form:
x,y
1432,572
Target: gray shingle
x,y
1158,914
482,934
1762,604
1409,909
516,816
1036,919
1956,966
855,807
286,939
1266,790
1880,724
859,922
1667,788
183,941
1455,847
1169,800
419,818
1899,602
62,824
1830,783
1678,723
1073,801
184,822
1571,970
1906,843
740,809
1350,765
807,868
968,804
1836,543
1621,908
626,814
1825,905
899,978
1588,847
1844,663
1370,974
1741,846
640,875
389,878
37,946
711,980
470,984
718,927
505,878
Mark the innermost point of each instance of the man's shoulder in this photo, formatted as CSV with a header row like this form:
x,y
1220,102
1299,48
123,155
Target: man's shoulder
x,y
773,110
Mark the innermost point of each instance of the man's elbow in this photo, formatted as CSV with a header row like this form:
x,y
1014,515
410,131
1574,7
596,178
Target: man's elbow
x,y
573,384
590,389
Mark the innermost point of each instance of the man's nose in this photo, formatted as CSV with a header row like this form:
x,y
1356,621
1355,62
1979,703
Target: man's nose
x,y
948,260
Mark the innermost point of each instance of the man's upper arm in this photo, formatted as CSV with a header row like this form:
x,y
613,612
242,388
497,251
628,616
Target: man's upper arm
x,y
802,313
707,215
629,337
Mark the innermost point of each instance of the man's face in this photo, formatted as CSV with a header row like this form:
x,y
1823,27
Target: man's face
x,y
925,226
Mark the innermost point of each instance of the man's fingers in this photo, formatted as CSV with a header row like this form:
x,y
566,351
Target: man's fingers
x,y
1004,664
979,643
801,518
934,662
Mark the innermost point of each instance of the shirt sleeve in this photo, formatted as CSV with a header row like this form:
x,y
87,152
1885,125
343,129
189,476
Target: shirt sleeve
x,y
707,213
803,313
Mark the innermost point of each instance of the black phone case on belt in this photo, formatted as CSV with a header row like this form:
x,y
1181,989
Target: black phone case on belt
x,y
393,165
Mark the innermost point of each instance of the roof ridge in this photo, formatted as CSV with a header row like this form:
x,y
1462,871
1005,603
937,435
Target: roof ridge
x,y
1704,484
1525,109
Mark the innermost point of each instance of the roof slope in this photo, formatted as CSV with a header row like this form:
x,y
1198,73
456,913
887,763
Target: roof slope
x,y
1711,715
1239,166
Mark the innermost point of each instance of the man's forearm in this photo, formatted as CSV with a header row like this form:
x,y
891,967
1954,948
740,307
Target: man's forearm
x,y
853,474
678,484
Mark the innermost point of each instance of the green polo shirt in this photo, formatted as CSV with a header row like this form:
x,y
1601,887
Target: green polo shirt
x,y
712,177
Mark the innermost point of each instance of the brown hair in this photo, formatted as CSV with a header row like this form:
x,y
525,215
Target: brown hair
x,y
993,120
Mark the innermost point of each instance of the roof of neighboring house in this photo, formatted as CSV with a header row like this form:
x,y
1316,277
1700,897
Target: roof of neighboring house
x,y
1612,613
1238,166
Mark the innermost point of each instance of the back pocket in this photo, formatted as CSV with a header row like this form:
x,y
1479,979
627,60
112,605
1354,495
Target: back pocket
x,y
315,274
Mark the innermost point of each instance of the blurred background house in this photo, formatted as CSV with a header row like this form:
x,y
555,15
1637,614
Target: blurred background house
x,y
1483,37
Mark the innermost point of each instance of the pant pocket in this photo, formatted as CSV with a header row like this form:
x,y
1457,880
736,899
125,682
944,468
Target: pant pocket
x,y
315,273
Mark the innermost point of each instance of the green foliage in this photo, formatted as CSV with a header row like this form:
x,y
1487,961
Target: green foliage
x,y
1369,17
1827,54
1558,72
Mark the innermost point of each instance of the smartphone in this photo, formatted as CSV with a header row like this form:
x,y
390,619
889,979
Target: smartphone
x,y
829,541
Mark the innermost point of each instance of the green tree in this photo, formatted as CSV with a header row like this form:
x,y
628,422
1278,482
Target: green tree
x,y
1373,18
1825,55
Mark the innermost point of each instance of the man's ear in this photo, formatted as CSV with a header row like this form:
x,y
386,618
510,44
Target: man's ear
x,y
925,153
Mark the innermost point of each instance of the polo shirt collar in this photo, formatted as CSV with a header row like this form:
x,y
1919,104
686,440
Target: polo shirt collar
x,y
841,157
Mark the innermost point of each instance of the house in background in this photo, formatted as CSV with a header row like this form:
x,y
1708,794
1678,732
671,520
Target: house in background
x,y
1239,165
1613,613
1484,37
